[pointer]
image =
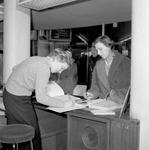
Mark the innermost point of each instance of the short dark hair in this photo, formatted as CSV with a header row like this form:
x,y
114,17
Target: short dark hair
x,y
105,40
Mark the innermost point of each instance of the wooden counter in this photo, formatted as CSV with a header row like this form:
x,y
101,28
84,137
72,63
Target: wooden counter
x,y
95,132
81,130
53,128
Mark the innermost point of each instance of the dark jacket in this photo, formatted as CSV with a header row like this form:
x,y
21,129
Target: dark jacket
x,y
68,79
117,80
92,62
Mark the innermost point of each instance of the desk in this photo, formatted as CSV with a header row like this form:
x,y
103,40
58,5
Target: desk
x,y
93,132
53,128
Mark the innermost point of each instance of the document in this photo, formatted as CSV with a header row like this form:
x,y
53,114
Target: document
x,y
104,105
102,112
67,97
94,101
61,110
64,98
54,89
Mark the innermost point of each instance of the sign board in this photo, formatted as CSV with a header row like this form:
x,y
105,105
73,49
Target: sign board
x,y
60,35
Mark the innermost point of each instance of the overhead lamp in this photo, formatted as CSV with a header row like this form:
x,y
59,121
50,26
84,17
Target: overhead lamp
x,y
42,4
125,40
81,38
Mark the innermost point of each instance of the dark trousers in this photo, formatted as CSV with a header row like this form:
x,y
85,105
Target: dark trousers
x,y
20,110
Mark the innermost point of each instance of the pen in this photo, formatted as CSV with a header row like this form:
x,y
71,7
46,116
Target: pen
x,y
87,96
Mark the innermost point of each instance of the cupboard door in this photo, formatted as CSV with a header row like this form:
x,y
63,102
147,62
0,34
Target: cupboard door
x,y
124,136
88,134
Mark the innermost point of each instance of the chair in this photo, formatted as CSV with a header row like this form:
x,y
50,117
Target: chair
x,y
16,133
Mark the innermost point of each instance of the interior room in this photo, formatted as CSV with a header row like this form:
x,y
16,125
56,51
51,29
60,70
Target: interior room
x,y
35,28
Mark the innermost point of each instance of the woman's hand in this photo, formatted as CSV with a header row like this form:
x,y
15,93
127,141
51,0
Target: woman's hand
x,y
88,95
68,103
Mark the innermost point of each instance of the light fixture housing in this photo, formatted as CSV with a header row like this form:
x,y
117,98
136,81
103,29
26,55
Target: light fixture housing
x,y
42,4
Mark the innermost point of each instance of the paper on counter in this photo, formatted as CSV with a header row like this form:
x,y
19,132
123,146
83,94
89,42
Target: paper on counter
x,y
54,89
61,110
102,112
106,105
93,101
67,97
64,98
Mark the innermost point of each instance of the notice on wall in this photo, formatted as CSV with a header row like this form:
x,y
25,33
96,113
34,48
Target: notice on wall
x,y
60,35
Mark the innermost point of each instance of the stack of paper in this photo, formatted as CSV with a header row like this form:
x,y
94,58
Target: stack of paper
x,y
103,104
64,98
93,101
102,112
61,110
54,89
67,97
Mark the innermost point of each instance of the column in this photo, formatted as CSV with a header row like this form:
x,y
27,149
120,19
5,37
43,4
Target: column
x,y
16,36
103,29
139,104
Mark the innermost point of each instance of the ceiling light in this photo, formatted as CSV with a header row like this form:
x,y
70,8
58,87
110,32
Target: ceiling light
x,y
81,38
42,4
125,40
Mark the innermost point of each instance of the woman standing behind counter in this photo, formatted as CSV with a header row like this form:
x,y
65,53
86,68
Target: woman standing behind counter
x,y
111,75
33,74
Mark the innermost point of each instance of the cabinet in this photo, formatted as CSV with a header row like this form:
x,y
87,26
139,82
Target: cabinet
x,y
53,128
89,132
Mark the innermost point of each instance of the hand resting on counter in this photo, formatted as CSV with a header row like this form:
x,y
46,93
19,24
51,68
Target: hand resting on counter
x,y
68,103
88,95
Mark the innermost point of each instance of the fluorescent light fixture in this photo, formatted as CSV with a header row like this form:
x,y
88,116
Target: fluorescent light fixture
x,y
42,4
125,40
81,38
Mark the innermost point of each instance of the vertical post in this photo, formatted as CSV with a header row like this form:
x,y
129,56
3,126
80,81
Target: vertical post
x,y
103,29
16,36
139,103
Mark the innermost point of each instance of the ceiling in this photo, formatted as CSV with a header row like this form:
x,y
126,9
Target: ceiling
x,y
81,13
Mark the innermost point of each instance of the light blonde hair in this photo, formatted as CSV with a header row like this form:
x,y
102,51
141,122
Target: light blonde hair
x,y
61,56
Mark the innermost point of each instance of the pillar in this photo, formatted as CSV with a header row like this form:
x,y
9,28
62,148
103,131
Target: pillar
x,y
103,29
16,35
139,104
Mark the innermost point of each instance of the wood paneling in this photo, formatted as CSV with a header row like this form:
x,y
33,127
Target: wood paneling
x,y
94,132
53,128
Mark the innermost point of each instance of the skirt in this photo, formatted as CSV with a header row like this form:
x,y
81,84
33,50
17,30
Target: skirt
x,y
20,110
